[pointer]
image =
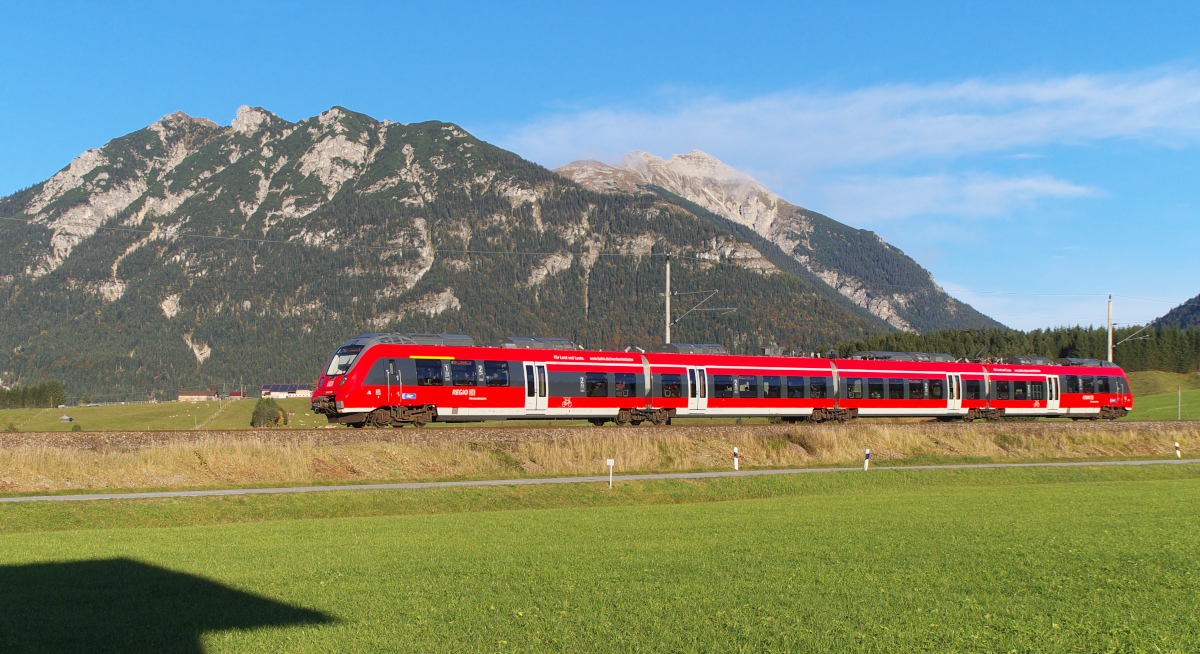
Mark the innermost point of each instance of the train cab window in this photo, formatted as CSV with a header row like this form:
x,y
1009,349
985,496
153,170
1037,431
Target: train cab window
x,y
1102,385
342,359
854,388
596,384
672,385
874,389
1120,385
916,389
528,381
429,372
747,386
795,388
771,387
971,389
895,389
1020,390
1002,392
722,386
691,383
463,373
1037,390
1071,384
495,373
625,384
1087,384
937,389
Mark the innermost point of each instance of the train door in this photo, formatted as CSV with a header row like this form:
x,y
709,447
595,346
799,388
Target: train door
x,y
536,398
697,389
954,392
1052,392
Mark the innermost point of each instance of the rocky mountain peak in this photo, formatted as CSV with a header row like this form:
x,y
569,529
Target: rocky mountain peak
x,y
249,119
857,263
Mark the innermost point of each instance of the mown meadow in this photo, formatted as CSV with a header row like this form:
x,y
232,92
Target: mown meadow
x,y
1045,560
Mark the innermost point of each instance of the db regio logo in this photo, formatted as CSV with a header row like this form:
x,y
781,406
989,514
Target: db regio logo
x,y
463,391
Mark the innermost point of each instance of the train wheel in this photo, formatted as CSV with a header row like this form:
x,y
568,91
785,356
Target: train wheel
x,y
659,418
635,423
420,422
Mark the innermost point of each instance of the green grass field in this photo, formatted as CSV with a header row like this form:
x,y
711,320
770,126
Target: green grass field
x,y
1153,382
1165,406
980,560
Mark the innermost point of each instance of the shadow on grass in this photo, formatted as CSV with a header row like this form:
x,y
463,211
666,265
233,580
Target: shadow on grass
x,y
121,605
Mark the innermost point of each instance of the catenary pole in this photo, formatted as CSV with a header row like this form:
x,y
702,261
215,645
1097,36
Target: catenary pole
x,y
1110,328
668,323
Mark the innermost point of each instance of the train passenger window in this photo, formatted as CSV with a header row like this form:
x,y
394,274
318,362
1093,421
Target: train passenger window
x,y
1020,390
795,388
1037,390
1102,385
691,383
771,387
1087,384
672,385
895,389
854,388
875,389
818,387
625,384
916,389
1002,390
702,382
971,389
391,371
495,373
1072,384
429,373
722,386
463,373
936,389
528,381
596,384
747,386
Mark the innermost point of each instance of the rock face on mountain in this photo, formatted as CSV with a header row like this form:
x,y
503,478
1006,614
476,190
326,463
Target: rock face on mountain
x,y
857,263
189,254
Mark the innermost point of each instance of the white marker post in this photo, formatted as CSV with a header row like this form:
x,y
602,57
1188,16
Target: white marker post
x,y
1178,455
867,461
610,466
735,459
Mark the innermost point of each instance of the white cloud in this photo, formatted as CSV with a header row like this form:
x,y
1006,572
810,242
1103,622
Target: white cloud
x,y
866,200
795,132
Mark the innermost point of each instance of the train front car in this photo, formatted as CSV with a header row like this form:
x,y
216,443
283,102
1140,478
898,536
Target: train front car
x,y
1080,389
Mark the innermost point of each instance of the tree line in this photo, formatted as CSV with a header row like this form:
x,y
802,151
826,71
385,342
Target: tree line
x,y
44,395
1168,349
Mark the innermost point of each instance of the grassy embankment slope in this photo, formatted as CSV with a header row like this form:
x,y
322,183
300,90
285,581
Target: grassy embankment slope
x,y
981,560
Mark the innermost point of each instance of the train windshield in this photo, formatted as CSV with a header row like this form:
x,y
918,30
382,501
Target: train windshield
x,y
342,359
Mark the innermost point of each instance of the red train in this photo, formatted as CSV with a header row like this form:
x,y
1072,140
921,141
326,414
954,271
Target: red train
x,y
377,380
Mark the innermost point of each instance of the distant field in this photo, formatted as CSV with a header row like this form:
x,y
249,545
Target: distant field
x,y
994,560
1153,382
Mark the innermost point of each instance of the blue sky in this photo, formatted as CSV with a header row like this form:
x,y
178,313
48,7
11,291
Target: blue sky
x,y
1033,156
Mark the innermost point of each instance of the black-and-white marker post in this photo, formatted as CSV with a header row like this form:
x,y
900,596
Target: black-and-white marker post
x,y
735,459
867,460
1178,454
610,465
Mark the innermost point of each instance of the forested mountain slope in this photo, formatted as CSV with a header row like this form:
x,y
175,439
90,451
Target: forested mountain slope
x,y
189,253
1184,316
858,264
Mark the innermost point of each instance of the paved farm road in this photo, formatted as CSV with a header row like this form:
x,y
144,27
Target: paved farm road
x,y
564,480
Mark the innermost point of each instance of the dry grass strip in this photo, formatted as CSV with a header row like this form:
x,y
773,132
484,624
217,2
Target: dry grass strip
x,y
41,462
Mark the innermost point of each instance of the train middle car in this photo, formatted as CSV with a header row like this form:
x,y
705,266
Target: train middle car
x,y
387,379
